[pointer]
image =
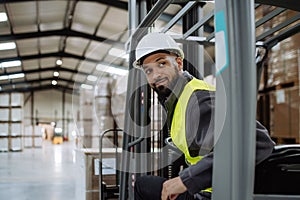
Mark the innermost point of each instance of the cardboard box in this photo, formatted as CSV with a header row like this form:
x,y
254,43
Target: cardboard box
x,y
295,112
4,129
16,114
38,141
281,116
284,113
28,141
3,144
86,159
16,129
103,106
4,114
16,99
283,64
4,99
16,144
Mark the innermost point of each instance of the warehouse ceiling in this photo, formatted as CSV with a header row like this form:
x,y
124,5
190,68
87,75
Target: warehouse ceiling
x,y
62,44
68,44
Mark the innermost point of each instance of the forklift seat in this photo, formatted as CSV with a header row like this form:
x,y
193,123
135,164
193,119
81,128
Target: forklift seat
x,y
280,172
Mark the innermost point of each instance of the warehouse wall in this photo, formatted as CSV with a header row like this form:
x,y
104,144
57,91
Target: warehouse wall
x,y
48,107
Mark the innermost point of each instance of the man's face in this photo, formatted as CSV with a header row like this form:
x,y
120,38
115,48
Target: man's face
x,y
162,71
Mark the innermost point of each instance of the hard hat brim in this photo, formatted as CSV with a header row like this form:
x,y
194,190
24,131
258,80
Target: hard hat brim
x,y
138,63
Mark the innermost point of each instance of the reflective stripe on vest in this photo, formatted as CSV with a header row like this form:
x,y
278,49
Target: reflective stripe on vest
x,y
178,129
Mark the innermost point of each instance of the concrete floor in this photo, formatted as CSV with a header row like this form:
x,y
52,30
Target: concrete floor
x,y
47,173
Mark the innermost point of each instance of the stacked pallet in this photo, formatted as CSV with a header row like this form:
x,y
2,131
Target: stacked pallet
x,y
86,118
11,116
103,109
95,114
32,137
281,87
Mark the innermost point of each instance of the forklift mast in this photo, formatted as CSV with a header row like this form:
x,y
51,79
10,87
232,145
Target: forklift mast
x,y
229,30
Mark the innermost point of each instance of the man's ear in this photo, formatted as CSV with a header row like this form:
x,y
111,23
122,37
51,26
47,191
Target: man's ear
x,y
179,62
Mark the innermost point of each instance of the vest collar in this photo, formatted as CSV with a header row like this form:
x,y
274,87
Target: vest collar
x,y
172,99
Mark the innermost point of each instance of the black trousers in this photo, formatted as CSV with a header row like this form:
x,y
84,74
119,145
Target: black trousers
x,y
150,187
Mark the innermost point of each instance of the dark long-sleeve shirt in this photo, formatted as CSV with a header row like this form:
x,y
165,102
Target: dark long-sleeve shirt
x,y
200,135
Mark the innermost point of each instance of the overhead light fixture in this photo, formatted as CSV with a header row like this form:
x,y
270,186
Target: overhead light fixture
x,y
86,86
59,62
7,45
12,76
56,74
92,78
118,53
14,63
5,77
111,70
3,17
54,82
20,75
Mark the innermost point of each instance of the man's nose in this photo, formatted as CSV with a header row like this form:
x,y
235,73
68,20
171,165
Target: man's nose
x,y
156,74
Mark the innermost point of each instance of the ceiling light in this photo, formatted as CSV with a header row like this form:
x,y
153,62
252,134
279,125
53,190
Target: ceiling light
x,y
117,71
13,63
12,76
59,62
4,77
3,17
86,86
118,53
7,45
56,74
111,70
54,82
92,78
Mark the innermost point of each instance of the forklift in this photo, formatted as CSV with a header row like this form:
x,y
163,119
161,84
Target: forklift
x,y
57,136
277,175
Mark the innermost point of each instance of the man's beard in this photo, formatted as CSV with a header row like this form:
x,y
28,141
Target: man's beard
x,y
162,91
165,91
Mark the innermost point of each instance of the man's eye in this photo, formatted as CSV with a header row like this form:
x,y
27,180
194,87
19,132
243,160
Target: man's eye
x,y
147,71
162,64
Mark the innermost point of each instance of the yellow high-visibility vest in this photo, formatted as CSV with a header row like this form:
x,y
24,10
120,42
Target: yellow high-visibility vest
x,y
178,126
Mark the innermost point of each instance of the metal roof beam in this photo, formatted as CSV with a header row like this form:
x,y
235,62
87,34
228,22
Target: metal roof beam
x,y
47,55
290,4
39,88
117,4
61,32
270,42
57,54
40,80
29,71
278,27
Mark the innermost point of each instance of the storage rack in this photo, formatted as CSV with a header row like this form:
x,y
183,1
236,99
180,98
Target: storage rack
x,y
234,32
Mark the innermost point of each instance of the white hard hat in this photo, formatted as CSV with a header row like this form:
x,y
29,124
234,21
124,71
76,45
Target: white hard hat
x,y
153,42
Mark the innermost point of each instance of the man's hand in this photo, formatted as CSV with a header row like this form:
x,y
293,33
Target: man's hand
x,y
172,188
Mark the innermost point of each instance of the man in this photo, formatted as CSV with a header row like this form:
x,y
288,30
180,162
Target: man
x,y
190,115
